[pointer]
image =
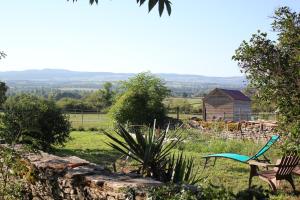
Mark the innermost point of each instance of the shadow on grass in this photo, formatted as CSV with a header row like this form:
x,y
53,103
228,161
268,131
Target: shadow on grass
x,y
239,169
101,157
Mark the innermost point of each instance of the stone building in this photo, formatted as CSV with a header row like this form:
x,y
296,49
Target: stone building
x,y
227,105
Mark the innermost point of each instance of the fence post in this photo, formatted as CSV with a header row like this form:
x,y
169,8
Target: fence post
x,y
81,117
177,111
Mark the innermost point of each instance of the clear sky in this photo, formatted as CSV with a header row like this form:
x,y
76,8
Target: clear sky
x,y
117,36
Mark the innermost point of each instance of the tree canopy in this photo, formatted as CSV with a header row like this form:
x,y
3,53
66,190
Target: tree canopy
x,y
273,67
141,101
3,90
32,120
162,4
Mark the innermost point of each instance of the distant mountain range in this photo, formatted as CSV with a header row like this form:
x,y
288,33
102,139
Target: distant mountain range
x,y
59,78
62,75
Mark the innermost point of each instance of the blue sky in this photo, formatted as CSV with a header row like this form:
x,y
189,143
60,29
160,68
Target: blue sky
x,y
117,36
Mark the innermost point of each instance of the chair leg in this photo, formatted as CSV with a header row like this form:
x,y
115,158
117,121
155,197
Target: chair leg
x,y
291,181
272,185
253,172
250,181
215,161
205,164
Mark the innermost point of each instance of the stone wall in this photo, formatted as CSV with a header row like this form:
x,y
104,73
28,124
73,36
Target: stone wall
x,y
255,130
73,178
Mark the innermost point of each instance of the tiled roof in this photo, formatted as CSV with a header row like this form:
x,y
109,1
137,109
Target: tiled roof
x,y
236,95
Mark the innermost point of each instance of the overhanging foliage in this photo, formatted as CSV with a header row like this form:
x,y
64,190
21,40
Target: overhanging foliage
x,y
162,5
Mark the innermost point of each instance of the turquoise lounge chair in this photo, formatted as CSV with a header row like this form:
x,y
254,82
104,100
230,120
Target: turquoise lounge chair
x,y
243,158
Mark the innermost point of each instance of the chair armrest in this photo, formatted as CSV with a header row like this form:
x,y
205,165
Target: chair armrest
x,y
261,164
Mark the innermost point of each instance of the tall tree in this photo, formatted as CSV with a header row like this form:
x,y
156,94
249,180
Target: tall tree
x,y
3,90
3,87
142,101
273,67
162,4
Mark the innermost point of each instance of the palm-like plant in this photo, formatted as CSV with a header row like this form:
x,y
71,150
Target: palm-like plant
x,y
152,151
183,171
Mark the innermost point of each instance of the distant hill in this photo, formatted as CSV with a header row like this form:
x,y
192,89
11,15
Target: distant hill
x,y
67,75
61,75
59,78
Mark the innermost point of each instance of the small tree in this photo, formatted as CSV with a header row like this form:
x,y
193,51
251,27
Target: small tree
x,y
3,87
3,90
142,101
35,121
273,67
103,98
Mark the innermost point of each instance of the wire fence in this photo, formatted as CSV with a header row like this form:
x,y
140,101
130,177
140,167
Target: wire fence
x,y
90,119
242,116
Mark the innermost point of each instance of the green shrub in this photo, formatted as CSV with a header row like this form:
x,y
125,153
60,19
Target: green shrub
x,y
173,192
253,193
182,192
153,154
141,101
73,129
32,120
80,128
13,174
93,129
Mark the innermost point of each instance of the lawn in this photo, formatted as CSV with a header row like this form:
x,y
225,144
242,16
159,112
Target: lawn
x,y
88,121
90,146
233,175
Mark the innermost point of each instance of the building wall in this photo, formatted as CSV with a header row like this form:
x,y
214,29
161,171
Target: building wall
x,y
242,110
218,106
224,112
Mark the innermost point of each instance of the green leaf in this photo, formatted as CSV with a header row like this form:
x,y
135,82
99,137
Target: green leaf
x,y
151,4
169,9
161,7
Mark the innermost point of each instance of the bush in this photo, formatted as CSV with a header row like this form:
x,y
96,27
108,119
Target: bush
x,y
14,173
32,120
153,155
93,129
73,129
253,193
180,192
80,128
141,102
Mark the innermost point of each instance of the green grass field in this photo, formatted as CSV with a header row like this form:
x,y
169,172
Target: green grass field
x,y
87,121
233,175
189,100
98,121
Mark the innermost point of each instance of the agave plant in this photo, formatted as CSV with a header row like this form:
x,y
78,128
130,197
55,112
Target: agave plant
x,y
182,170
152,151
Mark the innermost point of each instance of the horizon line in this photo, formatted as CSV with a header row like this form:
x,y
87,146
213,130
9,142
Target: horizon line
x,y
155,73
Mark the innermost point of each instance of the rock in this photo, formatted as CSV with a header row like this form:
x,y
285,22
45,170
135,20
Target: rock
x,y
73,178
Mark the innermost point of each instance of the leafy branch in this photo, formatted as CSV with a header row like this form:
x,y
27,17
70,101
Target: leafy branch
x,y
162,5
2,55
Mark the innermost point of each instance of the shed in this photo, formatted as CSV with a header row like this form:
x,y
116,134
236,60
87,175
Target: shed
x,y
227,105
